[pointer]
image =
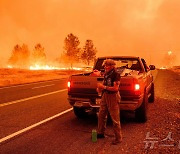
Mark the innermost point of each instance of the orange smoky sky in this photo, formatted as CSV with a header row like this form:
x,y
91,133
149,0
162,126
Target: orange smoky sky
x,y
146,28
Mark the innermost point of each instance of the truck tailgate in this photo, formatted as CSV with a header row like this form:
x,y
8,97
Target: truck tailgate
x,y
84,84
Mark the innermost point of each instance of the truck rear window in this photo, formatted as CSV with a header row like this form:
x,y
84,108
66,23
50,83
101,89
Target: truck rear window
x,y
121,63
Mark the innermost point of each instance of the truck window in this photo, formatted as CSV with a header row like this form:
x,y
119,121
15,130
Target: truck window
x,y
121,63
99,65
145,65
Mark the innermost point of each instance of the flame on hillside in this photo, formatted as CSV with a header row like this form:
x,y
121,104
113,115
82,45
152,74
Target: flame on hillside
x,y
53,67
44,67
47,67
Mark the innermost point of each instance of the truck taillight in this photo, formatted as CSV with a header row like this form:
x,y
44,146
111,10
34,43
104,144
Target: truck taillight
x,y
136,86
69,84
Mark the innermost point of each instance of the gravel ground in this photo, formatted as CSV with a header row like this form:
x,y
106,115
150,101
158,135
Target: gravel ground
x,y
164,119
164,115
160,134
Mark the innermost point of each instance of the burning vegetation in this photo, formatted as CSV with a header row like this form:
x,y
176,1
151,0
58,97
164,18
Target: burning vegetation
x,y
73,57
169,59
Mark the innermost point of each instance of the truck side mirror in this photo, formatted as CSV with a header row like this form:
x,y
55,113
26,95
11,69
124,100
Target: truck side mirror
x,y
152,67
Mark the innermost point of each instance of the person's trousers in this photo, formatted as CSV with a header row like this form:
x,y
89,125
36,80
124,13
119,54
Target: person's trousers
x,y
110,102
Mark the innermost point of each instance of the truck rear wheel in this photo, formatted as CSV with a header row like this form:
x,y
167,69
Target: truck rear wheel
x,y
151,98
80,112
141,112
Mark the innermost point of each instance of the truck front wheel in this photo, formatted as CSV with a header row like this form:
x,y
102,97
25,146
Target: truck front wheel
x,y
79,112
141,112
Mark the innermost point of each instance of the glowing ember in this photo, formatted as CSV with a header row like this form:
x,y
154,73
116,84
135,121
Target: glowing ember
x,y
169,53
9,66
163,67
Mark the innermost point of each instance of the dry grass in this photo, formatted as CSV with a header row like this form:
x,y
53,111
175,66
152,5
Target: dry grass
x,y
19,76
176,69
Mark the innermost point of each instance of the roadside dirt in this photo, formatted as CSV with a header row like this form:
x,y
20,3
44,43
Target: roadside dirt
x,y
9,77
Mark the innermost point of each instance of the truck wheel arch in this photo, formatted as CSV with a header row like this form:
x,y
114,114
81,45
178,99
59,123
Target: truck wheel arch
x,y
80,112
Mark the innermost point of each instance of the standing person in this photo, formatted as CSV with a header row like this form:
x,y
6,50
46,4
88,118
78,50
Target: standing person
x,y
110,101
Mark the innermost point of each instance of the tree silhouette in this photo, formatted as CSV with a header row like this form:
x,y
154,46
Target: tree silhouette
x,y
72,52
20,56
38,55
89,52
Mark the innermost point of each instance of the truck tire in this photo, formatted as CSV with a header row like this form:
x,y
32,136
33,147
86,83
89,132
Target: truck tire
x,y
141,112
151,98
79,112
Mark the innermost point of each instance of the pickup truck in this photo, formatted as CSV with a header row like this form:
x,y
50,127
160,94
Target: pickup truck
x,y
136,87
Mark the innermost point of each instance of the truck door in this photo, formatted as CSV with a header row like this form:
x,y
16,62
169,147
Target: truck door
x,y
148,74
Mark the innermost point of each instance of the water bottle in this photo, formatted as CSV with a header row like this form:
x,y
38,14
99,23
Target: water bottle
x,y
94,135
